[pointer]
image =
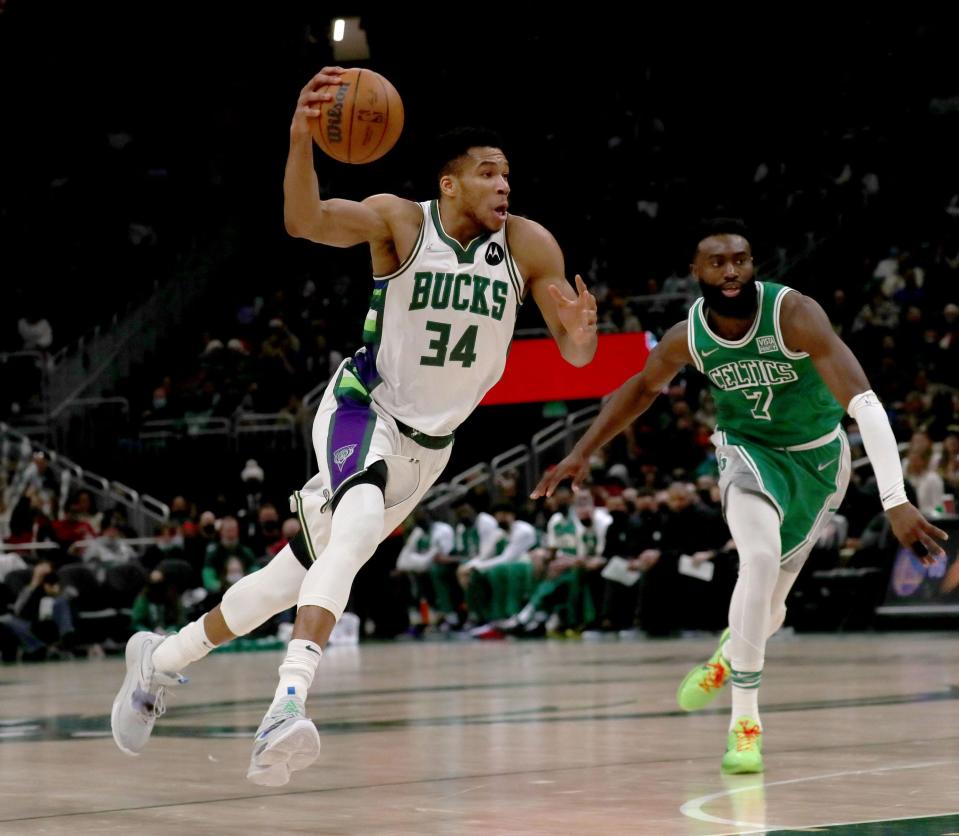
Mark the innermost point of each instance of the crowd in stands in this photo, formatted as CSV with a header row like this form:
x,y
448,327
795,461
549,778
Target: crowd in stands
x,y
642,548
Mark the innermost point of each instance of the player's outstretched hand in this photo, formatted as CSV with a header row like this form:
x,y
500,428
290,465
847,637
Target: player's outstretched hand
x,y
577,315
915,532
572,466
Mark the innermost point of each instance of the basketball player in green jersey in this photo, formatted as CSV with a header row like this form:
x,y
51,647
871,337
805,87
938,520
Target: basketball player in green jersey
x,y
781,379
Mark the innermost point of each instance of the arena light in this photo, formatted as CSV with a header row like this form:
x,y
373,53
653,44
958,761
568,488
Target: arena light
x,y
348,39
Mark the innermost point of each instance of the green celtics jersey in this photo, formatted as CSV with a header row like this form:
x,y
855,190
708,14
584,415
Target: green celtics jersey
x,y
764,392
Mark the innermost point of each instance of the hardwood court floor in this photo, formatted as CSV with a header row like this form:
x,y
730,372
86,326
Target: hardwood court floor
x,y
487,738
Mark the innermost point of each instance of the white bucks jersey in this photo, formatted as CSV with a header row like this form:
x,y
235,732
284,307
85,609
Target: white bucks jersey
x,y
439,328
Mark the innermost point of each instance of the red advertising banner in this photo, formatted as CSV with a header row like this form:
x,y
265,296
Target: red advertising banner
x,y
535,370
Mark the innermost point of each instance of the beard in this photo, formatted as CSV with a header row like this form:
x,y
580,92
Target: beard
x,y
742,306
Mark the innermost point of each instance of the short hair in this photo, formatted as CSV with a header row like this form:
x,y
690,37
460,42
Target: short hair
x,y
461,500
503,506
717,226
455,144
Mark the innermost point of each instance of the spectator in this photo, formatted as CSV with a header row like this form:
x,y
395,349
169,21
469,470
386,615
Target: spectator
x,y
289,530
498,585
169,544
73,528
42,618
918,469
110,548
157,608
227,560
266,532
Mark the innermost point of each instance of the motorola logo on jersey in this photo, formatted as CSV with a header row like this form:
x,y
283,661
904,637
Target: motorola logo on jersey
x,y
494,254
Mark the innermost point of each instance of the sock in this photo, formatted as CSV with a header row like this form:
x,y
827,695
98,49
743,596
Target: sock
x,y
298,670
745,696
189,645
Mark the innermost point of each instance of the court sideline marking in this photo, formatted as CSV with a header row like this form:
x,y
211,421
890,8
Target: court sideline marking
x,y
693,808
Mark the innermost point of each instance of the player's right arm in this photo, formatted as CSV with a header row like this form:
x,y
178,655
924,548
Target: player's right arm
x,y
337,223
627,403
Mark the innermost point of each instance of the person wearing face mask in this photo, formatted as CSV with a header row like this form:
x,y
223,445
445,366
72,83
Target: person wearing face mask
x,y
180,510
266,532
197,538
475,535
430,540
497,585
575,539
157,608
217,566
159,407
615,603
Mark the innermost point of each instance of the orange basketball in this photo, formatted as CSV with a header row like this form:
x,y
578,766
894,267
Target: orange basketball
x,y
363,121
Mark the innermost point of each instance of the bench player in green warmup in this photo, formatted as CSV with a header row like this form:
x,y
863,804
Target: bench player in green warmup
x,y
781,379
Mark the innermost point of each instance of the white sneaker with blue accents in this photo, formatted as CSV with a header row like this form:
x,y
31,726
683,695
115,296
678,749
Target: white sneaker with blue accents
x,y
285,742
141,698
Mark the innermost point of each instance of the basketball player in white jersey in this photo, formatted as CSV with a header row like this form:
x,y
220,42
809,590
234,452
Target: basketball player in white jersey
x,y
449,275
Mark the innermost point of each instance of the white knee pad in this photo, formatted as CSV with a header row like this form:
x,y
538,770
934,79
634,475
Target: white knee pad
x,y
259,596
356,532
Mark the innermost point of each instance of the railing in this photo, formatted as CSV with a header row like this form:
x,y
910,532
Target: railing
x,y
49,545
192,427
525,459
143,512
110,351
82,423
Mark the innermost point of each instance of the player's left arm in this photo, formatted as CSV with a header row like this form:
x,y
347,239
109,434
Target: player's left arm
x,y
570,314
805,327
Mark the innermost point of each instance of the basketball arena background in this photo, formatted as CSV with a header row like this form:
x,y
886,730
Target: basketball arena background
x,y
165,342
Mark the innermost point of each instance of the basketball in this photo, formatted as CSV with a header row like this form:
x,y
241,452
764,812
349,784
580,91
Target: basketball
x,y
363,121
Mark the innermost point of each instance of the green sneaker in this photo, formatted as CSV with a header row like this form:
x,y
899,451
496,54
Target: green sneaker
x,y
705,681
744,748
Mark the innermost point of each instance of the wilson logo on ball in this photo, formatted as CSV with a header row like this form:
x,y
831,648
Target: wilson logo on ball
x,y
334,119
363,121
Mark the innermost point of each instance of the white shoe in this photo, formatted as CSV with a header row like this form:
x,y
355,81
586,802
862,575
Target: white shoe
x,y
141,698
285,742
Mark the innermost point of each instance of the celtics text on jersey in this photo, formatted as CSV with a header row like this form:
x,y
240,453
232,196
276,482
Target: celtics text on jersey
x,y
764,392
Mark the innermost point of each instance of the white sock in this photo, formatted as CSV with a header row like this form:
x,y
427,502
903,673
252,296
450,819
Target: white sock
x,y
175,652
298,670
745,698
